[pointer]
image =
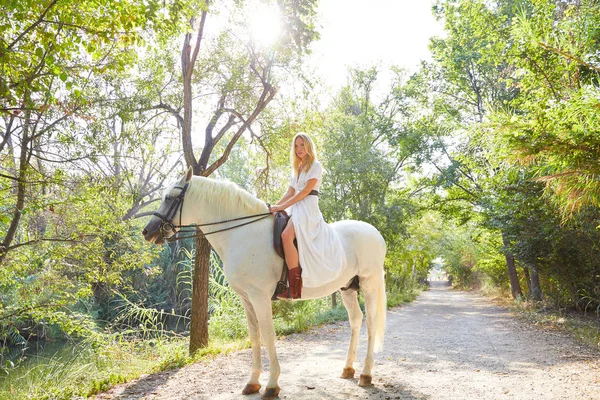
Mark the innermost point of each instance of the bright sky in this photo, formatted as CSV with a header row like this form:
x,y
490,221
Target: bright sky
x,y
375,32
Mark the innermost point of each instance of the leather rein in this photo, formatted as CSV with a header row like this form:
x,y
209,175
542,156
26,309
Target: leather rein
x,y
168,226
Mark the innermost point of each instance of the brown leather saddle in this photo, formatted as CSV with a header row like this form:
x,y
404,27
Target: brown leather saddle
x,y
281,221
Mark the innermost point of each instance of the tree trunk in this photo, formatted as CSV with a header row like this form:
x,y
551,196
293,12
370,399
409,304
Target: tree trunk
x,y
536,289
334,300
21,179
101,297
199,311
528,280
515,286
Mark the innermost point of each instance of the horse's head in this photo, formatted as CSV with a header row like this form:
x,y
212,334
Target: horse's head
x,y
166,220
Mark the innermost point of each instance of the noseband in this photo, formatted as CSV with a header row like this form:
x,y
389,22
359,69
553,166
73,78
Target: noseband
x,y
167,220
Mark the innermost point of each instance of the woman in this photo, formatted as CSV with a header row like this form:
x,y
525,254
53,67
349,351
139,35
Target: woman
x,y
320,251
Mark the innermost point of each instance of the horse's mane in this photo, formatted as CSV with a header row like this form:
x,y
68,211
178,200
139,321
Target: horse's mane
x,y
227,196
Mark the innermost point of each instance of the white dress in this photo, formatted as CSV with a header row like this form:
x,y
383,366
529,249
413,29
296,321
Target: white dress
x,y
320,251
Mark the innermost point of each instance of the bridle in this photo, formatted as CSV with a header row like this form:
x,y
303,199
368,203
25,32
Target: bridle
x,y
167,220
168,226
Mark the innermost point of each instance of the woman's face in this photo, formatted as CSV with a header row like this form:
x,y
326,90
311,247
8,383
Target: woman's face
x,y
299,147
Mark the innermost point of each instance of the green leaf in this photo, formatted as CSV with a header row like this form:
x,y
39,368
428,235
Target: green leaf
x,y
63,76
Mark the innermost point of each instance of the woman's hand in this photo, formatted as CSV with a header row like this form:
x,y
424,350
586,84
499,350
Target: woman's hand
x,y
276,208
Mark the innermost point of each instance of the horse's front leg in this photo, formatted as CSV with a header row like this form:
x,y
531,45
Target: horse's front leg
x,y
355,316
253,385
261,302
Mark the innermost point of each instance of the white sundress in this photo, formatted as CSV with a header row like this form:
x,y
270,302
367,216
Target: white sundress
x,y
320,251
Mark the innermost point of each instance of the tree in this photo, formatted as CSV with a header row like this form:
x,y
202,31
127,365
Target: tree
x,y
463,85
367,156
553,124
511,108
77,161
50,53
236,75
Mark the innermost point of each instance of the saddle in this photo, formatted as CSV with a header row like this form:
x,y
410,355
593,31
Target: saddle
x,y
280,222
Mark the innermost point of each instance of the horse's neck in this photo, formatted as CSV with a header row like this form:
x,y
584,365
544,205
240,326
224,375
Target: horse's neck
x,y
211,201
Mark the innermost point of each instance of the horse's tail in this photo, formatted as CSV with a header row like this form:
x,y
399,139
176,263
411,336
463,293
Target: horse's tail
x,y
380,319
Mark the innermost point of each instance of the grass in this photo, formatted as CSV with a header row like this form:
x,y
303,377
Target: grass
x,y
85,369
300,316
399,298
88,367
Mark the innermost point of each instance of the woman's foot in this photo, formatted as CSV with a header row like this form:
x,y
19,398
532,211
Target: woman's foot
x,y
295,289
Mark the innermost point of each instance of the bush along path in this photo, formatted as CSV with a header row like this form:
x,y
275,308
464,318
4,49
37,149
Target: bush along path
x,y
445,345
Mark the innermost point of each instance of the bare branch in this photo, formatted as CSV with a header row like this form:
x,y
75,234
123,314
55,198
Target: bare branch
x,y
198,39
167,107
267,95
230,122
143,214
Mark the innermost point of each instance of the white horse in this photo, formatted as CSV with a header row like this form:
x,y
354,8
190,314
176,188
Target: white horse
x,y
253,268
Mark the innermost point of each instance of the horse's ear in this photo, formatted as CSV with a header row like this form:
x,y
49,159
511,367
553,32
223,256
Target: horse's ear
x,y
188,175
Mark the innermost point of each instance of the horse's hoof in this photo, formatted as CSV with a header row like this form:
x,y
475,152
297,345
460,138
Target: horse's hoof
x,y
365,380
251,388
271,393
348,373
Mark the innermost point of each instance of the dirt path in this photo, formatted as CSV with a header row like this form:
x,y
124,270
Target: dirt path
x,y
446,345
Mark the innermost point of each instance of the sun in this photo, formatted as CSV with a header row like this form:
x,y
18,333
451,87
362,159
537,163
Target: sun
x,y
265,24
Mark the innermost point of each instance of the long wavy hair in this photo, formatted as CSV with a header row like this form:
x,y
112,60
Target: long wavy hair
x,y
311,154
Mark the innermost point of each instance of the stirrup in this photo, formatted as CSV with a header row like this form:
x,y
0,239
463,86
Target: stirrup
x,y
285,295
279,289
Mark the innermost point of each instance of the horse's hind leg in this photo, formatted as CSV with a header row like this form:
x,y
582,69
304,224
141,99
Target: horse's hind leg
x,y
375,306
370,308
253,385
355,316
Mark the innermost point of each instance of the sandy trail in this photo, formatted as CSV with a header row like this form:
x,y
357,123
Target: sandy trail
x,y
445,345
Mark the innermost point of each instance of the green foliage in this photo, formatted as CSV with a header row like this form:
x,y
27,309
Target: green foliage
x,y
553,123
408,261
88,367
291,317
48,45
508,105
367,156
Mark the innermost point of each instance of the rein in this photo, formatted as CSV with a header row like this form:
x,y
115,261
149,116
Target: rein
x,y
168,226
262,216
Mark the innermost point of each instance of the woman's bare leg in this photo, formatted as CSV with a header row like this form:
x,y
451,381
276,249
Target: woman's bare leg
x,y
291,253
291,259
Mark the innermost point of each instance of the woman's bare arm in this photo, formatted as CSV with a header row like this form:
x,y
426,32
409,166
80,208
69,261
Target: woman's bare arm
x,y
288,195
288,202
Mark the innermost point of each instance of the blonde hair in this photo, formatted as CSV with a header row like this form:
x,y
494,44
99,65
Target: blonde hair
x,y
311,154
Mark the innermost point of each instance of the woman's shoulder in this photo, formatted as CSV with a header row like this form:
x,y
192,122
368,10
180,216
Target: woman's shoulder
x,y
315,170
